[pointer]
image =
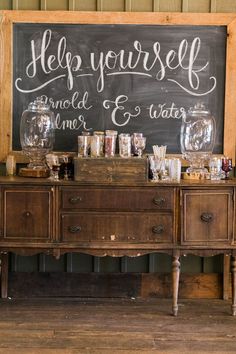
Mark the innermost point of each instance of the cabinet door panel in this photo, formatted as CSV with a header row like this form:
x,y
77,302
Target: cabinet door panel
x,y
27,214
116,227
207,217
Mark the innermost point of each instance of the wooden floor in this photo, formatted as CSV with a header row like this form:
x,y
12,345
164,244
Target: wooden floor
x,y
115,326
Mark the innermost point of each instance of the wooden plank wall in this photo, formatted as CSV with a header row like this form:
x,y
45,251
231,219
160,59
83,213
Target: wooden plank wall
x,y
151,263
122,5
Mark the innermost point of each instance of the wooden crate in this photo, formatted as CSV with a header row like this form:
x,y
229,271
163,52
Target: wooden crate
x,y
115,169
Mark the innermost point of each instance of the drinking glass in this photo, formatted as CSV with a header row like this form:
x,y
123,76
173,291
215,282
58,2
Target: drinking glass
x,y
64,159
139,144
54,164
215,165
133,137
155,167
226,166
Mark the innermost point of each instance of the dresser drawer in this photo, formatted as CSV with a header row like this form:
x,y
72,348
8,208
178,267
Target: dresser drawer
x,y
207,217
116,227
118,198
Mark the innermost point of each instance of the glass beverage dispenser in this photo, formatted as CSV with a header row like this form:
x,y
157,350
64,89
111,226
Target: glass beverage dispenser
x,y
197,138
37,133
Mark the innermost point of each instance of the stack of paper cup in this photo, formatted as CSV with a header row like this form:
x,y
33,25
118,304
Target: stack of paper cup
x,y
175,169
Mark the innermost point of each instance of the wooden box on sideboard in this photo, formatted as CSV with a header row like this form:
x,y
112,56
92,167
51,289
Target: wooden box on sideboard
x,y
115,169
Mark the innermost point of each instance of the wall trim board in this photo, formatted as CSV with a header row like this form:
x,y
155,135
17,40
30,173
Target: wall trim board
x,y
75,17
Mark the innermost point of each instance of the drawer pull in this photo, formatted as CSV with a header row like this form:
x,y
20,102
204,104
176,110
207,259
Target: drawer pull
x,y
159,201
74,229
158,229
206,217
74,200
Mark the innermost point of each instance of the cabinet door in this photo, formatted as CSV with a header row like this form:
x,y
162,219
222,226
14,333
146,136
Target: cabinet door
x,y
27,214
207,217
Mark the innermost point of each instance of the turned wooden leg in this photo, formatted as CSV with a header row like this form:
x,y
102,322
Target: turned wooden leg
x,y
233,271
4,275
175,282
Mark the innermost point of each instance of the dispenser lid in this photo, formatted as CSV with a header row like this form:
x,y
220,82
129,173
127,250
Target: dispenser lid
x,y
198,110
38,105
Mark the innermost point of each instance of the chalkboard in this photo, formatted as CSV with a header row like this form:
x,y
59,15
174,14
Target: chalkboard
x,y
130,78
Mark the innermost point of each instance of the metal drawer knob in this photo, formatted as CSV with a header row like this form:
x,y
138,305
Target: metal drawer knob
x,y
206,217
74,200
159,201
158,229
27,214
74,229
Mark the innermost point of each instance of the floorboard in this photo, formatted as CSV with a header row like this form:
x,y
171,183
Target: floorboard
x,y
69,326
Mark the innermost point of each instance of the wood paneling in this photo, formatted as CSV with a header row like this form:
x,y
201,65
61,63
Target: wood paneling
x,y
223,5
109,264
167,6
82,263
82,5
196,6
141,5
26,4
102,284
191,264
107,5
156,262
56,5
122,5
5,5
208,286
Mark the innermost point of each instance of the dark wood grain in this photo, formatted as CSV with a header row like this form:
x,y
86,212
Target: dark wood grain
x,y
103,285
115,326
115,169
118,219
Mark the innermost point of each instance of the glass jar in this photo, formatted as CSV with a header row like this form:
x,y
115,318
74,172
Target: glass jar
x,y
37,133
197,138
134,138
125,145
110,143
99,138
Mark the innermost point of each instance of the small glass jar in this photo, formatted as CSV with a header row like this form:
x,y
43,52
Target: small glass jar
x,y
134,137
88,134
83,145
100,141
110,143
95,146
125,145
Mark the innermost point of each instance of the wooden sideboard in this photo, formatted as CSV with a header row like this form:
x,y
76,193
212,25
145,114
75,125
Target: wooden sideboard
x,y
115,219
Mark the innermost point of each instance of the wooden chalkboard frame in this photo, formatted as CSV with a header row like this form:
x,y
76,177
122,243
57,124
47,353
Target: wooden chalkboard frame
x,y
8,18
